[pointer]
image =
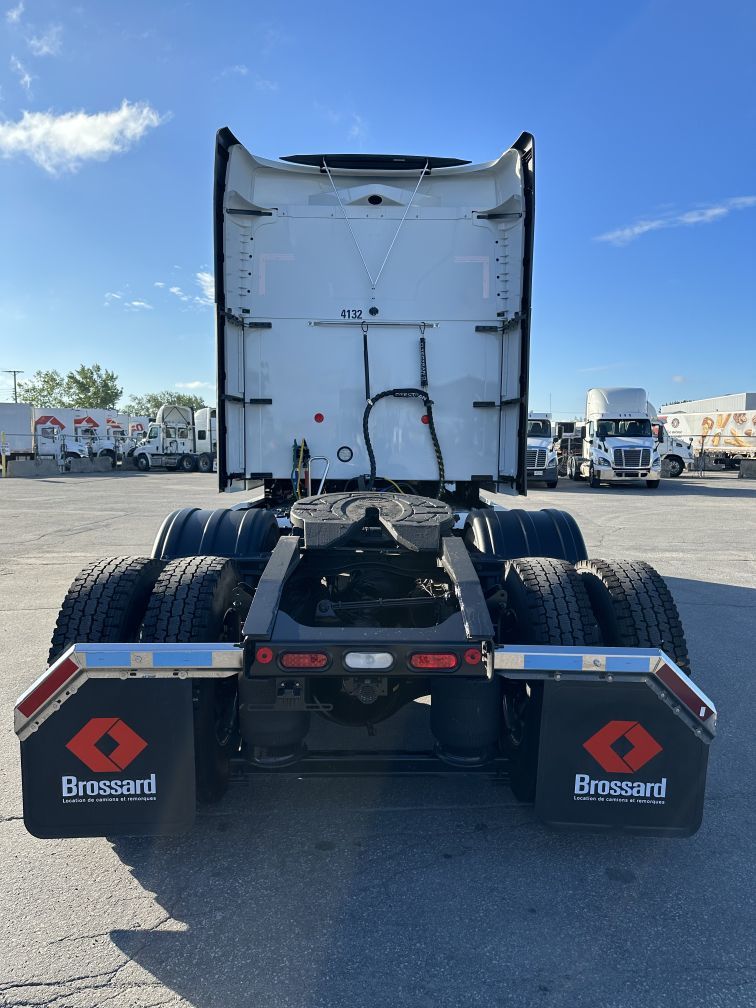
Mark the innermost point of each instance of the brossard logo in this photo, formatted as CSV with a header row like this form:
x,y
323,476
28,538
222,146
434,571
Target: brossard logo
x,y
85,745
601,746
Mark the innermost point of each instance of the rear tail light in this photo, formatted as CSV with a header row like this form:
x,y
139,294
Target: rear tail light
x,y
304,660
473,656
264,655
433,660
368,660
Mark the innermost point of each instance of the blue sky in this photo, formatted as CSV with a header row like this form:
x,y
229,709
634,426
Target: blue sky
x,y
645,267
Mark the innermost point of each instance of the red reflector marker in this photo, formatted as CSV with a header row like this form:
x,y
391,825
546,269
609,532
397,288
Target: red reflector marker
x,y
304,660
264,655
425,418
473,656
433,661
318,418
52,682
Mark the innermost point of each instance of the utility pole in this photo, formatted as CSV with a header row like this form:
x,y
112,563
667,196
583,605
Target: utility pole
x,y
15,386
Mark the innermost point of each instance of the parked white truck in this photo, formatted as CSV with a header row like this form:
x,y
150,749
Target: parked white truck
x,y
180,439
399,352
674,453
540,454
618,443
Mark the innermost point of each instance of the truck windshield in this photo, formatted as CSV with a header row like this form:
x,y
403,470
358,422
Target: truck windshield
x,y
539,428
623,428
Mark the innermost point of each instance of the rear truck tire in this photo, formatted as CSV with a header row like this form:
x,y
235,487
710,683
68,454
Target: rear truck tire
x,y
571,469
105,604
142,463
241,532
547,603
593,481
676,466
205,463
652,484
187,464
192,602
634,607
516,533
552,484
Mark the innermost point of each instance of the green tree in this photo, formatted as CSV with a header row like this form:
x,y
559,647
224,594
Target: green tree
x,y
149,404
44,388
93,387
88,387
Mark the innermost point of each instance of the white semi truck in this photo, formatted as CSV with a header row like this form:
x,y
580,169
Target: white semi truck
x,y
383,320
180,439
540,454
618,443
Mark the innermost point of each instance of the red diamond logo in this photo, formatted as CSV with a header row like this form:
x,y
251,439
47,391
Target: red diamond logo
x,y
128,744
643,746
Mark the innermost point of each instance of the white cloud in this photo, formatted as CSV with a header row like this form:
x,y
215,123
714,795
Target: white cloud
x,y
600,367
61,143
137,305
48,43
24,77
194,384
207,285
678,378
358,130
266,85
177,292
112,296
158,283
703,215
237,70
13,14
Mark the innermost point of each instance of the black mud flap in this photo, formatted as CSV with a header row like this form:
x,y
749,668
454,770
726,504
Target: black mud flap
x,y
117,759
615,757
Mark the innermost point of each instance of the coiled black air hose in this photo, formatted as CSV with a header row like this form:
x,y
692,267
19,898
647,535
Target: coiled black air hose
x,y
404,393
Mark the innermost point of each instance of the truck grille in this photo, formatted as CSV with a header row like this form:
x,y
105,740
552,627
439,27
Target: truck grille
x,y
632,458
535,458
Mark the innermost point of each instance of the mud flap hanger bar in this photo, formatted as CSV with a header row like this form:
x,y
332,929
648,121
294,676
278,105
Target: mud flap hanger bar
x,y
208,661
614,665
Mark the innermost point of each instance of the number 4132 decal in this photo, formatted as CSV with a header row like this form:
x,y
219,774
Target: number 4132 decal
x,y
351,313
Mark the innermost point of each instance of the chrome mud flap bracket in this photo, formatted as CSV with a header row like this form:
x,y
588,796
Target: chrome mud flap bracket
x,y
624,738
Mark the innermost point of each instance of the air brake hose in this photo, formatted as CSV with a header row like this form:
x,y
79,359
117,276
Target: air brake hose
x,y
403,393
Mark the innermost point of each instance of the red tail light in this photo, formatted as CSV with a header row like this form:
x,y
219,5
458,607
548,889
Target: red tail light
x,y
264,655
433,660
304,660
473,656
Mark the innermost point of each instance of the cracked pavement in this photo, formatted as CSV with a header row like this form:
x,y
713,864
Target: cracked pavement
x,y
418,892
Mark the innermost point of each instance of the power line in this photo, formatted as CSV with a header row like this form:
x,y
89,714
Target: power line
x,y
15,386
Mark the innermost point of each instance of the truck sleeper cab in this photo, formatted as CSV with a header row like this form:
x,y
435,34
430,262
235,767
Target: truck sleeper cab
x,y
401,575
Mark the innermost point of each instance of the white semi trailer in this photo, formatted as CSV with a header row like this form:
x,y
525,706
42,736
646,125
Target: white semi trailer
x,y
16,434
618,443
722,427
382,319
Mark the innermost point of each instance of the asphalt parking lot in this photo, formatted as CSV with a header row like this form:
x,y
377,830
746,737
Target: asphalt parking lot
x,y
420,892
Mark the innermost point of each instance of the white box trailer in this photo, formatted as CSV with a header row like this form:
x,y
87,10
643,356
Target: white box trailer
x,y
16,436
726,435
249,621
